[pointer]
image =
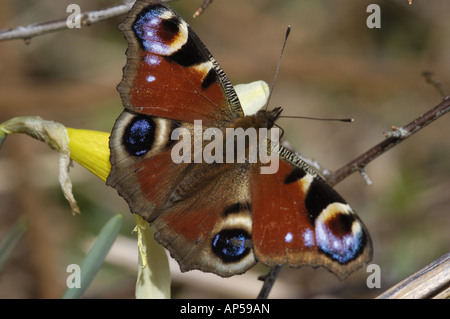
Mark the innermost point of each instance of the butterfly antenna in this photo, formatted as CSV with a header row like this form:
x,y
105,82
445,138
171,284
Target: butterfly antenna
x,y
288,31
281,129
317,118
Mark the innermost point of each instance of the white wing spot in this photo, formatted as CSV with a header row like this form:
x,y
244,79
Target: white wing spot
x,y
288,238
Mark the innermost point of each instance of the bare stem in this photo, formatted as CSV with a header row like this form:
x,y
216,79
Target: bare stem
x,y
393,138
87,18
428,75
202,8
269,281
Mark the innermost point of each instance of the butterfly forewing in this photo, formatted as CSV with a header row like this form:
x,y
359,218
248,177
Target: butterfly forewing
x,y
169,72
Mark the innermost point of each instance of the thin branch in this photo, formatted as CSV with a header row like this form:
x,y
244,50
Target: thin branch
x,y
269,281
393,138
428,75
87,18
202,8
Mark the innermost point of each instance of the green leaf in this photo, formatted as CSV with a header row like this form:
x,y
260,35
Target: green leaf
x,y
95,257
10,241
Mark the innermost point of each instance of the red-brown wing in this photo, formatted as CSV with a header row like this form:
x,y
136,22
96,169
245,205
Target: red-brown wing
x,y
206,223
170,73
299,220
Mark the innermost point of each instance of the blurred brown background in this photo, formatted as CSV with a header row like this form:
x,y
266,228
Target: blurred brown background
x,y
334,66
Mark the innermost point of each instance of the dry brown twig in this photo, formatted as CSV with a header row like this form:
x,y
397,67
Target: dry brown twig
x,y
397,135
86,18
202,8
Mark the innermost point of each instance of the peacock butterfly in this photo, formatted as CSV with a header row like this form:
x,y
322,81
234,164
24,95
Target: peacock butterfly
x,y
216,216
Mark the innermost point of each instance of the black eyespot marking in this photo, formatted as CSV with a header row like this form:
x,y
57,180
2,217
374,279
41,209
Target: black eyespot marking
x,y
188,54
340,224
209,79
170,28
231,245
319,196
294,175
139,135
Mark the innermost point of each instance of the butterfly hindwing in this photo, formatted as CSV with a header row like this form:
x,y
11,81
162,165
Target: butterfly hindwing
x,y
206,226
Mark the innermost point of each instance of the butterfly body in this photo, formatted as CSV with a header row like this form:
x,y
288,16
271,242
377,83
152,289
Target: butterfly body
x,y
217,216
